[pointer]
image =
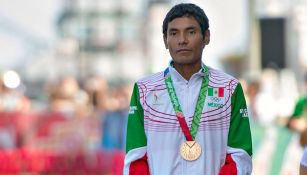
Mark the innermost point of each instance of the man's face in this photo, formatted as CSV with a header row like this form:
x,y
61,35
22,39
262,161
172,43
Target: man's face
x,y
185,40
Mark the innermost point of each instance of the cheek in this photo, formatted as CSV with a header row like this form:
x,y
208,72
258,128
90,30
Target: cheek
x,y
172,53
171,43
198,51
199,45
171,46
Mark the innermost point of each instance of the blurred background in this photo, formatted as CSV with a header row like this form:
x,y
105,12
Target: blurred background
x,y
67,68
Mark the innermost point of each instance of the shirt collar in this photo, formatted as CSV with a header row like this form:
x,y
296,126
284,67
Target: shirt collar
x,y
177,77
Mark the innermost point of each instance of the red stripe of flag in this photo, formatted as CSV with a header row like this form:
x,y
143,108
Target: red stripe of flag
x,y
221,92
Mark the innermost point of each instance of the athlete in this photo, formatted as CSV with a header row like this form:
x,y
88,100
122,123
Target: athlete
x,y
189,119
298,120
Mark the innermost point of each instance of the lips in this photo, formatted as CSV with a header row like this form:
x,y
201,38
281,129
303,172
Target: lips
x,y
183,50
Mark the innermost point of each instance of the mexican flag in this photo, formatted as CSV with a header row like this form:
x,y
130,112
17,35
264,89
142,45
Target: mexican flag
x,y
216,92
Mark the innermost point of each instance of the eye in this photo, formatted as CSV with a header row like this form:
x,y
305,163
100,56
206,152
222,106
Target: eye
x,y
172,33
192,32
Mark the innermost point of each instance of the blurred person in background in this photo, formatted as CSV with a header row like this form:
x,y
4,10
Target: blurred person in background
x,y
12,100
13,104
266,96
251,89
111,108
297,121
98,90
68,98
190,118
303,163
114,122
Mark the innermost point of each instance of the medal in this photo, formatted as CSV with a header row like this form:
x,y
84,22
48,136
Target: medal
x,y
190,150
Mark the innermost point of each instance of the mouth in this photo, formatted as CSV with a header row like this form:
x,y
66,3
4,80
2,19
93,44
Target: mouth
x,y
183,50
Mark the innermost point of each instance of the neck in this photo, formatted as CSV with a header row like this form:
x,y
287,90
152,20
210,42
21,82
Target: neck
x,y
186,71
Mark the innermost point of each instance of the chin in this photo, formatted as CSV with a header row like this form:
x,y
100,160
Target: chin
x,y
184,61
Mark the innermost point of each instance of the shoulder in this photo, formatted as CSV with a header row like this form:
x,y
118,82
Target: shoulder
x,y
153,80
219,77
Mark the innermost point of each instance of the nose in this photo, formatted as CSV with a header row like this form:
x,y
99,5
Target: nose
x,y
182,40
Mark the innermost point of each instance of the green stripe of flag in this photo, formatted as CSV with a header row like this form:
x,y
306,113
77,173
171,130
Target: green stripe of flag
x,y
210,91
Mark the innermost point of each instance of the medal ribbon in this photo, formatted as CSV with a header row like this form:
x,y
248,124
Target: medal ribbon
x,y
189,135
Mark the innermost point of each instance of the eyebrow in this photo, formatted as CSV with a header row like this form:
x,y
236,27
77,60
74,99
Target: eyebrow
x,y
190,28
172,29
187,28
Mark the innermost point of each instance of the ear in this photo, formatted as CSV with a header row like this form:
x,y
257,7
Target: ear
x,y
165,41
207,37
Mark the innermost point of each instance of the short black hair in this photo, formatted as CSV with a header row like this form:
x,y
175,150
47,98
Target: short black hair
x,y
186,9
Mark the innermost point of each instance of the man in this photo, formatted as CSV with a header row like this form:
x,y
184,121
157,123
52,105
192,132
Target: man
x,y
188,119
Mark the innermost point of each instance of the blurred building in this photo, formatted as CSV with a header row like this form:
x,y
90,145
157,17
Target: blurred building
x,y
122,40
103,37
278,35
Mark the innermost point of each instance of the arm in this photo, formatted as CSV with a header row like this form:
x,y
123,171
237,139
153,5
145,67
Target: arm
x,y
239,147
136,142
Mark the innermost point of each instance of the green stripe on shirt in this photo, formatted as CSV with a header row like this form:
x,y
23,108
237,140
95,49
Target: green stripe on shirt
x,y
239,135
135,131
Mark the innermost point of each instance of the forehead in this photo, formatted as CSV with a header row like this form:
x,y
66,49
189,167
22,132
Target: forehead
x,y
183,23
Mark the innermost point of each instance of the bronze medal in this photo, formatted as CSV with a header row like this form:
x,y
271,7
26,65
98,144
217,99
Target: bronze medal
x,y
190,150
